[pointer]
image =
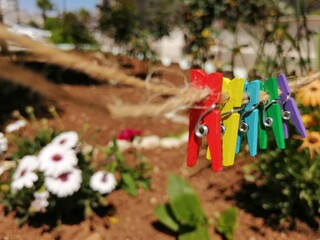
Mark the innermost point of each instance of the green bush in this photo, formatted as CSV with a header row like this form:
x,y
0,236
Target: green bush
x,y
288,181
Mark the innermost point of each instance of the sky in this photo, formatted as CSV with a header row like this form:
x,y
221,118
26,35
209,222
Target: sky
x,y
31,5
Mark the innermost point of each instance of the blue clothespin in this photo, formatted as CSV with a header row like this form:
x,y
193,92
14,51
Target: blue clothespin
x,y
250,118
289,108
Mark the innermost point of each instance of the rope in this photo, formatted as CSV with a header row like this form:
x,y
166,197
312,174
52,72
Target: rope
x,y
180,96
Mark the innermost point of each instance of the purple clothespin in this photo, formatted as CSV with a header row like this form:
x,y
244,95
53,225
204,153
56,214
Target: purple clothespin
x,y
289,108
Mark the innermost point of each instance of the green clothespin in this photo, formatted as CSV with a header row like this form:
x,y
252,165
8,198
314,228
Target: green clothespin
x,y
271,116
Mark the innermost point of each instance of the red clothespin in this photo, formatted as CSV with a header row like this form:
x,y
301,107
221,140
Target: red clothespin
x,y
205,118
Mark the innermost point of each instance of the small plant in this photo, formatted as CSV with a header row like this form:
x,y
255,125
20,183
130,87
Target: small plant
x,y
132,177
183,215
227,223
54,178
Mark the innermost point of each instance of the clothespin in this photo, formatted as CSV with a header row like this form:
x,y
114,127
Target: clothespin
x,y
249,118
205,118
271,116
289,108
230,119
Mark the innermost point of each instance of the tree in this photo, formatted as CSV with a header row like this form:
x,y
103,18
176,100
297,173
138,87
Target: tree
x,y
125,19
136,23
71,28
84,16
44,5
76,29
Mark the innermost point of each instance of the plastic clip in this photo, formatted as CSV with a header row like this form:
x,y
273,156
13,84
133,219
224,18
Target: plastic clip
x,y
249,118
204,119
289,108
230,118
271,116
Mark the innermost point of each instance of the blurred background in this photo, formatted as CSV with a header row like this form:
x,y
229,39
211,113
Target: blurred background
x,y
248,38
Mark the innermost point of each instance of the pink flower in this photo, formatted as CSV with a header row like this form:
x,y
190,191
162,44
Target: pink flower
x,y
129,134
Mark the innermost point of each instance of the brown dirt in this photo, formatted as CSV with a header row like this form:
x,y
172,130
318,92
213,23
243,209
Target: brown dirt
x,y
136,220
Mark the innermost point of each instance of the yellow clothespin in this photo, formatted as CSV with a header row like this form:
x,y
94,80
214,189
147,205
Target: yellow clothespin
x,y
230,118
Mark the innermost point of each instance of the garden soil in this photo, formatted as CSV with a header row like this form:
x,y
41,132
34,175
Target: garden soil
x,y
133,217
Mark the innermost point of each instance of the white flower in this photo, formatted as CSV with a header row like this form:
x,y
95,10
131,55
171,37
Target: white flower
x,y
40,202
65,184
54,160
24,175
23,179
103,182
170,142
29,162
148,142
68,140
3,143
15,126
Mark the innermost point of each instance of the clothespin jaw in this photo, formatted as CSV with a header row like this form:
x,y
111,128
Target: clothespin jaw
x,y
230,119
249,118
289,108
271,116
211,119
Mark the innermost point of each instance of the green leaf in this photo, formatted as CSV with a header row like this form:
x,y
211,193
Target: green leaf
x,y
117,152
227,223
200,232
129,184
178,186
184,202
165,216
